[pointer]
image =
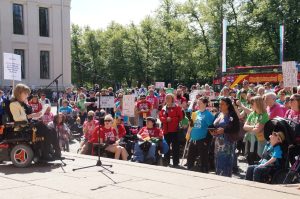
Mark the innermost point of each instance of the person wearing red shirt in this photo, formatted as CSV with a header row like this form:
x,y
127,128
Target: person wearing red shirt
x,y
180,100
143,109
170,116
154,102
147,135
162,98
88,128
35,104
109,136
120,128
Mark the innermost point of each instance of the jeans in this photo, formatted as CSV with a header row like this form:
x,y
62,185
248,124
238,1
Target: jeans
x,y
140,121
257,174
172,138
139,155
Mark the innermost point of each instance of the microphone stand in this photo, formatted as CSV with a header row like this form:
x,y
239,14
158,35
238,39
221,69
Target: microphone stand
x,y
56,85
99,162
57,135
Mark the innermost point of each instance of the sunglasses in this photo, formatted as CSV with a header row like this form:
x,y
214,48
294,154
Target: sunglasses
x,y
107,120
214,111
292,99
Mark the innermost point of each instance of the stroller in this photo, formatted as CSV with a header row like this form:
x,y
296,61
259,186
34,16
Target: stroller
x,y
291,147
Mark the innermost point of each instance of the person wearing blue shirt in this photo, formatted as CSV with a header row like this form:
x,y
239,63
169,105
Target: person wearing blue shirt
x,y
197,134
271,159
65,109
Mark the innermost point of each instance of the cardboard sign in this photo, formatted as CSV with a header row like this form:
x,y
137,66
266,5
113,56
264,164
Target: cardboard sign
x,y
159,84
12,66
106,102
290,74
128,105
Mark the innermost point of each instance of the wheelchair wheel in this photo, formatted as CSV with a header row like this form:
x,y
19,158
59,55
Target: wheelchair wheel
x,y
21,155
291,178
279,177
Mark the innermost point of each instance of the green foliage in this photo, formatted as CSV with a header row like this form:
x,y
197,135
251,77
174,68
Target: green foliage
x,y
182,43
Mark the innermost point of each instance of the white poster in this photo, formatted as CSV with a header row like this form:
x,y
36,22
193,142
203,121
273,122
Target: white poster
x,y
128,105
159,84
290,74
106,102
12,66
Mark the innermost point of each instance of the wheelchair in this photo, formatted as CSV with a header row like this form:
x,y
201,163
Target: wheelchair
x,y
285,174
20,144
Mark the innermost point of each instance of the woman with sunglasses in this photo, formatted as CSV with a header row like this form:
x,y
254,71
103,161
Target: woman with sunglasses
x,y
108,135
226,130
294,112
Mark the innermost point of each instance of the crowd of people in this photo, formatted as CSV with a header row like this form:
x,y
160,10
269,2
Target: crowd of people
x,y
205,126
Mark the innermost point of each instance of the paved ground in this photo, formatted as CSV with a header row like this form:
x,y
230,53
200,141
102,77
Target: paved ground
x,y
130,181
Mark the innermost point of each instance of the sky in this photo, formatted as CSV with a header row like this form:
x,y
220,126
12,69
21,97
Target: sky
x,y
99,13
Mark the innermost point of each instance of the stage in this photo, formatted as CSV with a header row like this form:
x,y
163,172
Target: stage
x,y
131,180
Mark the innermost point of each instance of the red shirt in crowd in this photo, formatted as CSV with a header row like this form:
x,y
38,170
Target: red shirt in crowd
x,y
153,100
162,98
36,106
106,135
153,132
176,115
144,105
88,128
180,101
121,131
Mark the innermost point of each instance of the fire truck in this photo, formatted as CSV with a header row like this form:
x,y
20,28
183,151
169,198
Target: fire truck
x,y
254,74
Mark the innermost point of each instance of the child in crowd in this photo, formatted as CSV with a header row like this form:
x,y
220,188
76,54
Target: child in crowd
x,y
271,159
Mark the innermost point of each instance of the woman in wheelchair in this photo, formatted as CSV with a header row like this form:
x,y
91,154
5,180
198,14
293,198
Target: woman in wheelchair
x,y
271,160
145,148
21,115
109,137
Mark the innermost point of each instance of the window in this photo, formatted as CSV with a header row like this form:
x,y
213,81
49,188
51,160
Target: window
x,y
22,53
44,22
18,20
44,65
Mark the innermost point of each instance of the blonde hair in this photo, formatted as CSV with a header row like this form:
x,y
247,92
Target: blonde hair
x,y
258,100
108,117
172,96
19,89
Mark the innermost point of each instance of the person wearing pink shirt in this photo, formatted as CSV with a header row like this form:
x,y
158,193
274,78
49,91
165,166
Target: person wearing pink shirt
x,y
294,112
273,108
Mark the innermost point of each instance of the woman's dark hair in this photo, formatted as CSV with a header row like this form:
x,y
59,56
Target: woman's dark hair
x,y
55,119
204,100
231,111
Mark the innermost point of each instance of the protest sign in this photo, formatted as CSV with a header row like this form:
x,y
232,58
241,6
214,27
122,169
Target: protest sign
x,y
128,105
159,84
12,66
290,74
106,102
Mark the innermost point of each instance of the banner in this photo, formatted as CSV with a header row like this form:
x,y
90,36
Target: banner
x,y
281,43
290,74
12,66
128,105
225,23
159,84
106,102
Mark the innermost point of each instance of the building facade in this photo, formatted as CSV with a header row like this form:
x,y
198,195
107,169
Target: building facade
x,y
39,31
